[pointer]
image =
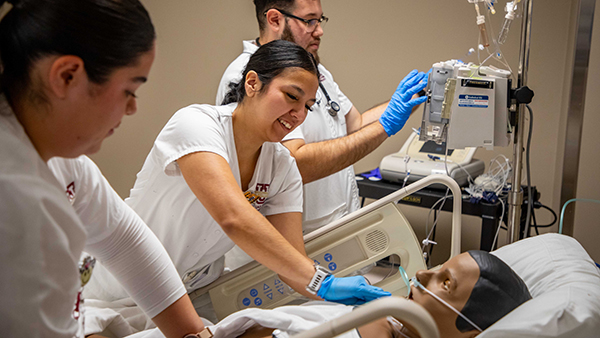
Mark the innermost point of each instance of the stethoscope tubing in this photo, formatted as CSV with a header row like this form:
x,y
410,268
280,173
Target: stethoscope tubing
x,y
332,107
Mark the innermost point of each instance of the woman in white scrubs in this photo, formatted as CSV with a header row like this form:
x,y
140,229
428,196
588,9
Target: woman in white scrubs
x,y
218,176
70,69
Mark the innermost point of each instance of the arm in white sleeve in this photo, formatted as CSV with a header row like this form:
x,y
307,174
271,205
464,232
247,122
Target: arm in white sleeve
x,y
119,238
137,259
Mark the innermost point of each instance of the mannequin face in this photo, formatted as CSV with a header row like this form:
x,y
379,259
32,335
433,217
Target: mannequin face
x,y
283,105
453,282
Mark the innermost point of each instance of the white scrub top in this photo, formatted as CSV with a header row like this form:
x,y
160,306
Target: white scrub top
x,y
331,197
46,223
163,199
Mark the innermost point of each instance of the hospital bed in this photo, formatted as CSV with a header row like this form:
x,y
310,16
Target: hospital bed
x,y
373,241
562,278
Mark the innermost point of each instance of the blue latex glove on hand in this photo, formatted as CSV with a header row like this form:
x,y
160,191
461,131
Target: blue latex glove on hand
x,y
398,110
349,290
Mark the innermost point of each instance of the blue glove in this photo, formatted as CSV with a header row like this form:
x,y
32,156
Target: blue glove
x,y
398,110
349,290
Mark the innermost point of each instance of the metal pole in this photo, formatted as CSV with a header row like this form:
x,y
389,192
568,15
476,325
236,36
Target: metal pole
x,y
515,198
581,59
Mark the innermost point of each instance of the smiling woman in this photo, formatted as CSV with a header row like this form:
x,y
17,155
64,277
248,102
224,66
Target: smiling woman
x,y
217,176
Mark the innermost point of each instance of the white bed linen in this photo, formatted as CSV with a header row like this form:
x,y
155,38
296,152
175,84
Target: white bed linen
x,y
289,319
564,283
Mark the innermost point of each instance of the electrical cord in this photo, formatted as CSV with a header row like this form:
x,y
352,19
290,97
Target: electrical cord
x,y
530,193
553,214
429,240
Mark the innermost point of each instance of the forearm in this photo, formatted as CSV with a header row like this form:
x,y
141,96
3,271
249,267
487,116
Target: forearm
x,y
373,114
179,319
211,180
299,287
289,225
256,236
137,259
321,159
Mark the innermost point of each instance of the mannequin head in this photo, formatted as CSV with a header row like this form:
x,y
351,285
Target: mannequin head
x,y
476,283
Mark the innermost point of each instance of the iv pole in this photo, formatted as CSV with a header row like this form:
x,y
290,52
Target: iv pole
x,y
515,198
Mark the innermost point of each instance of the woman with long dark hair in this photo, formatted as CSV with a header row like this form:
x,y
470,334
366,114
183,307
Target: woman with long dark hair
x,y
218,176
70,70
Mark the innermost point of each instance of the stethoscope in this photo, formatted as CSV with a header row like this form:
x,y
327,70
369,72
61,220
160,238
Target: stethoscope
x,y
332,107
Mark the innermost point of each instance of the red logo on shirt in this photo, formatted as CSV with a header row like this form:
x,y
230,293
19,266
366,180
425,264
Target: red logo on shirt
x,y
71,192
258,197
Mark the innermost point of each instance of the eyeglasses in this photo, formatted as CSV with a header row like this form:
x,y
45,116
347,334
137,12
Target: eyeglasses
x,y
311,24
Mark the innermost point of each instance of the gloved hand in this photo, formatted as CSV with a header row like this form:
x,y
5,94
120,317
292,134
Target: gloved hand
x,y
398,110
349,290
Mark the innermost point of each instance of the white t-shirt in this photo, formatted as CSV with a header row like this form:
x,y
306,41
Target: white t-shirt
x,y
331,197
163,199
42,237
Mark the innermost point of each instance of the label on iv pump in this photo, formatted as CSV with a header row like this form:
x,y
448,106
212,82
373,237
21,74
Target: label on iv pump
x,y
473,101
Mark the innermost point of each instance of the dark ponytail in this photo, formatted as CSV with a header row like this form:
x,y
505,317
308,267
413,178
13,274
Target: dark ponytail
x,y
105,34
268,62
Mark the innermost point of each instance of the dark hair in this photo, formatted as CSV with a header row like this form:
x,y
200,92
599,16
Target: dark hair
x,y
498,291
105,34
268,62
264,5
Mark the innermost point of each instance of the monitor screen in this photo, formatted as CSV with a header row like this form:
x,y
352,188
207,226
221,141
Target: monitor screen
x,y
434,148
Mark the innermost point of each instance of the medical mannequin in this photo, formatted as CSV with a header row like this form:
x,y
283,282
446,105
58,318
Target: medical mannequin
x,y
217,175
477,284
70,69
329,142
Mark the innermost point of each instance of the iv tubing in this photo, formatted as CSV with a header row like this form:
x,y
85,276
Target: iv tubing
x,y
562,212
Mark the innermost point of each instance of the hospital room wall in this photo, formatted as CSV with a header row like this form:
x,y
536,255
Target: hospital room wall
x,y
587,222
368,49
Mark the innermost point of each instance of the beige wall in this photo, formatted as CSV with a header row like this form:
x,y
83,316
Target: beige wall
x,y
587,222
368,46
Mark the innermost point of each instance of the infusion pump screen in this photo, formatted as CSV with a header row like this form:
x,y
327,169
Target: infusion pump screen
x,y
433,148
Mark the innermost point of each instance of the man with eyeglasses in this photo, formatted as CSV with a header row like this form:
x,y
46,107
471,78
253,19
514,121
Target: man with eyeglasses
x,y
335,134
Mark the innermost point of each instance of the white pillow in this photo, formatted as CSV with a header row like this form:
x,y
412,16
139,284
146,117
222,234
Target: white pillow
x,y
564,283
